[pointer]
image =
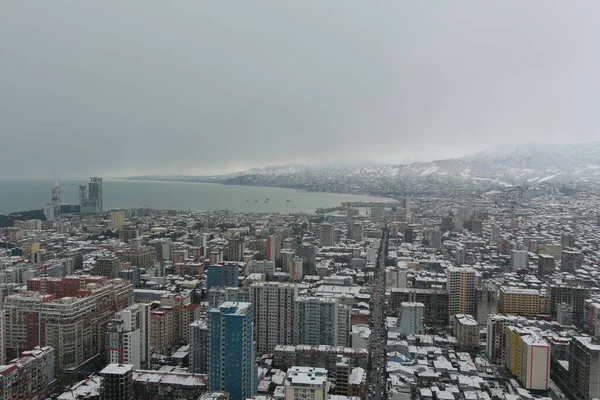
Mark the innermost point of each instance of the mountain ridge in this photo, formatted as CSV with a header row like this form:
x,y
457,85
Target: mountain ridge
x,y
505,166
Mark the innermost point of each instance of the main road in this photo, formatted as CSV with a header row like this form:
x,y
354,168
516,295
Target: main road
x,y
377,376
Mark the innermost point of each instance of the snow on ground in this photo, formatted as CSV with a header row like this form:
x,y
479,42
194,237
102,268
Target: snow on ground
x,y
546,178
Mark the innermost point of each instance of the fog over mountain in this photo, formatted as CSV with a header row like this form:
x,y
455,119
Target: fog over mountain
x,y
501,167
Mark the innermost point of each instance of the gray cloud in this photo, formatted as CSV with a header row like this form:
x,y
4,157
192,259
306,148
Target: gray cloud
x,y
119,88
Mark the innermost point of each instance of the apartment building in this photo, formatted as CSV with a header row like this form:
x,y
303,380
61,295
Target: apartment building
x,y
321,320
124,338
139,256
411,319
573,295
117,382
273,306
434,300
306,383
519,301
461,283
162,329
466,331
231,356
198,346
584,367
546,265
29,377
108,266
528,358
73,326
318,356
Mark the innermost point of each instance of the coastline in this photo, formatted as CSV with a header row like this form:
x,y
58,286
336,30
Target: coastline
x,y
383,199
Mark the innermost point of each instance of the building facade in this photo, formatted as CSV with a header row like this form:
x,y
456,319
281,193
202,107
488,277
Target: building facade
x,y
231,357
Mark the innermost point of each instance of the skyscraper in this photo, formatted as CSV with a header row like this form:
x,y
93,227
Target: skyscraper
x,y
231,363
95,191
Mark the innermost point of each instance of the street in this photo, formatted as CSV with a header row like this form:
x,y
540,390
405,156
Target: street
x,y
377,377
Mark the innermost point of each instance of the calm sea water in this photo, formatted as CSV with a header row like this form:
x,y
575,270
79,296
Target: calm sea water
x,y
30,195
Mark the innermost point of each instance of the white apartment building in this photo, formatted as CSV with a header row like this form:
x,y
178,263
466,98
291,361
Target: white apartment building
x,y
321,321
273,306
124,338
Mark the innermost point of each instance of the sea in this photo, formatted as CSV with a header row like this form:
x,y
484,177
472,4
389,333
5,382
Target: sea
x,y
22,195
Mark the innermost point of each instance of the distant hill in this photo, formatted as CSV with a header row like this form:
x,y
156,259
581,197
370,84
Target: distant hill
x,y
507,166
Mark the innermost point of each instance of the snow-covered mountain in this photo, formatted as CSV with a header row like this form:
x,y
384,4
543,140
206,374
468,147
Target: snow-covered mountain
x,y
496,167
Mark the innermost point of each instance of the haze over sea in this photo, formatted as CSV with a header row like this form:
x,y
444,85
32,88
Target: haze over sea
x,y
31,195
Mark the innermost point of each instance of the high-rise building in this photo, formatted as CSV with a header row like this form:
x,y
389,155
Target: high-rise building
x,y
460,255
436,239
117,382
567,240
327,235
287,258
139,256
411,318
584,367
222,275
273,306
486,302
461,282
546,265
446,224
497,325
395,277
108,266
528,358
494,233
519,301
42,319
231,359
570,260
95,192
162,329
518,259
308,253
117,219
274,247
464,214
321,321
355,231
124,338
2,335
377,214
297,271
236,249
198,346
572,295
435,301
133,275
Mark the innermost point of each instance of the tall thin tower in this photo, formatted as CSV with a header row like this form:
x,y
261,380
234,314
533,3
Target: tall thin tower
x,y
56,194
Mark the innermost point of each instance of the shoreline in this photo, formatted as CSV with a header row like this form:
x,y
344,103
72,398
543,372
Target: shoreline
x,y
375,196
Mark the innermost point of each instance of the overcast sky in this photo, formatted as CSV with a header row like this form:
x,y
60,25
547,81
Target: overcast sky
x,y
132,87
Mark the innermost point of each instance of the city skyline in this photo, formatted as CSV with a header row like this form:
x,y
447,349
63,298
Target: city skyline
x,y
233,88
